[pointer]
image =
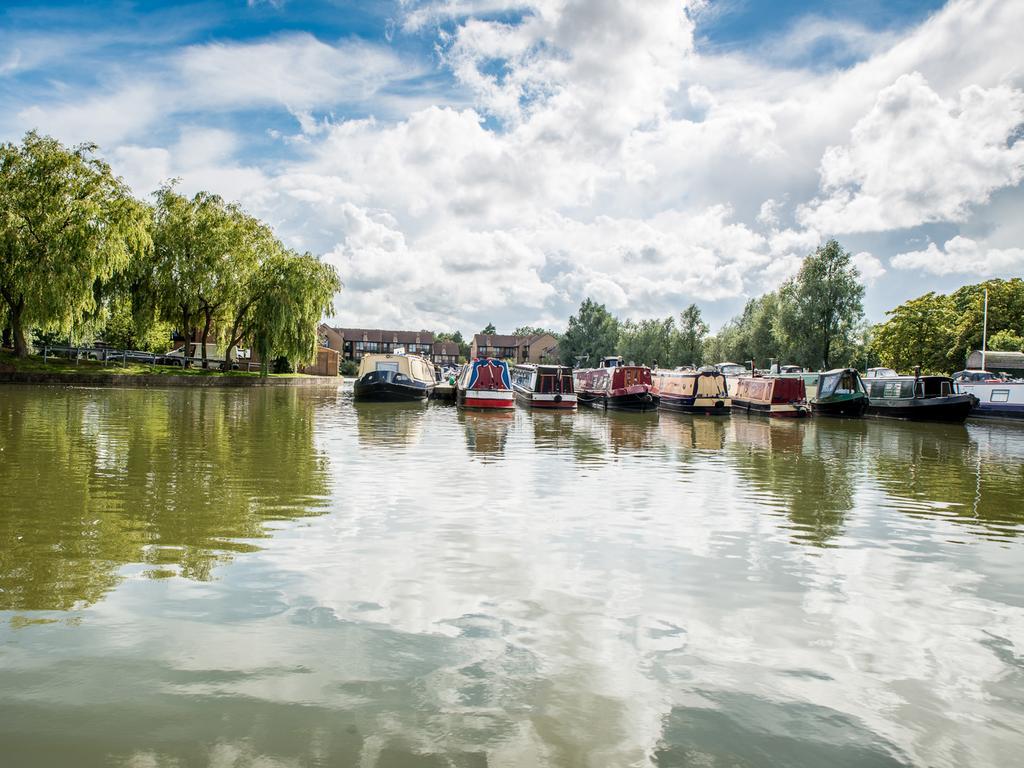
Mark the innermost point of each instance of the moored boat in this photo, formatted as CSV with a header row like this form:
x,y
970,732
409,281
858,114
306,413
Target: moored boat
x,y
544,386
770,395
484,383
702,391
919,398
614,386
394,378
998,397
840,393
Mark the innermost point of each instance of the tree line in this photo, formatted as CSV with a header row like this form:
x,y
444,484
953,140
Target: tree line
x,y
80,257
814,319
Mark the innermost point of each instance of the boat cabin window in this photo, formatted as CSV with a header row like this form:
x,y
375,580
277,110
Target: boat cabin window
x,y
1000,396
383,366
892,390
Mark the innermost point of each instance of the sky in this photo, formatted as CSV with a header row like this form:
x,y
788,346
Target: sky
x,y
465,162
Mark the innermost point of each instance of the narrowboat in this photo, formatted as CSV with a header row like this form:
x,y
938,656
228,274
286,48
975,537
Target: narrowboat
x,y
544,386
919,398
771,395
614,386
484,383
395,378
840,393
703,391
998,397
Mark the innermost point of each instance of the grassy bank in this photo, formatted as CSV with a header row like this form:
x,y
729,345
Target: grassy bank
x,y
53,365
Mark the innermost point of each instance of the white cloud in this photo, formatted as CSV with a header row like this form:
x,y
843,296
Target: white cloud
x,y
917,158
297,71
963,256
869,266
602,154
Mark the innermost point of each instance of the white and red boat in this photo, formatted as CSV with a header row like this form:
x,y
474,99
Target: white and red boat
x,y
484,383
544,386
770,395
614,386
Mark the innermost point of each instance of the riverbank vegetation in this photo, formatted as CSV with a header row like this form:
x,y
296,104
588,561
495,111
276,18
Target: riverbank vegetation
x,y
815,320
82,258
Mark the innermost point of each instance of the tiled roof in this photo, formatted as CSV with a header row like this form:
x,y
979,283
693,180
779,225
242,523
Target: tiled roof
x,y
496,340
394,337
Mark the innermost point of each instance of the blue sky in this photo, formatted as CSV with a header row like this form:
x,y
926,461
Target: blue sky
x,y
473,161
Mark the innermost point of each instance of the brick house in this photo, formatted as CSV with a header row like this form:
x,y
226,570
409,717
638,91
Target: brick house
x,y
536,348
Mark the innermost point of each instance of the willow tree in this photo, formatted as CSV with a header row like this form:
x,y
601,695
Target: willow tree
x,y
67,224
298,291
189,271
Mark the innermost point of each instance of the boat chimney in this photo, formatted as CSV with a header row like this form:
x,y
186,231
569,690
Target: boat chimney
x,y
917,371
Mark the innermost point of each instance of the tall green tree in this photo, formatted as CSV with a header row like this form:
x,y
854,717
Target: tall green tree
x,y
648,342
67,225
918,332
285,319
489,330
592,333
821,307
532,330
174,284
688,348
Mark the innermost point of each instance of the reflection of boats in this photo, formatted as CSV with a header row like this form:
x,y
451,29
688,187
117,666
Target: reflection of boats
x,y
484,383
702,391
998,397
487,431
772,395
840,393
614,386
393,379
919,398
544,386
687,433
389,425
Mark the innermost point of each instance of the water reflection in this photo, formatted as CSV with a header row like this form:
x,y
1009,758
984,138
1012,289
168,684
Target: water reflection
x,y
175,480
520,590
970,475
486,431
388,425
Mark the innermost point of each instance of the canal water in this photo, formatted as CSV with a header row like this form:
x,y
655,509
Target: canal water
x,y
284,578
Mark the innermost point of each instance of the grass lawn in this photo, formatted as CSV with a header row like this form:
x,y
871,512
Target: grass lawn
x,y
35,364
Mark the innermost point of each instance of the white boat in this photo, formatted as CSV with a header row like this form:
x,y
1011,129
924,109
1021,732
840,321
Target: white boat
x,y
544,386
998,397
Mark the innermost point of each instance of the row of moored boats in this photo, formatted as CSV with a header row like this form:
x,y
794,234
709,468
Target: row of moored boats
x,y
488,384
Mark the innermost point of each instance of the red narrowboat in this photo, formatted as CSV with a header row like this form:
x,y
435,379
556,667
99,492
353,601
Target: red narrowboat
x,y
771,395
616,386
484,383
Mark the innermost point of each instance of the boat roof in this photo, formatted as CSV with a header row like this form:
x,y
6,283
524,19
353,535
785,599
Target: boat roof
x,y
910,377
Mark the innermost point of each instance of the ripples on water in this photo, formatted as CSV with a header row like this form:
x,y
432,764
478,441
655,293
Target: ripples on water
x,y
285,578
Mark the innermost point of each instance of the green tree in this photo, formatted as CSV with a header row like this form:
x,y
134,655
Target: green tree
x,y
648,342
592,333
120,330
174,285
1006,341
532,330
489,330
688,348
300,292
918,332
1005,313
67,225
820,308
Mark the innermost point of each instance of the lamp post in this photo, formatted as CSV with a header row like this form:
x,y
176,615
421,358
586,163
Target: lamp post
x,y
984,331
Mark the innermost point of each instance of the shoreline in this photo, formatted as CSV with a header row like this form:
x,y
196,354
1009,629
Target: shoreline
x,y
163,380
